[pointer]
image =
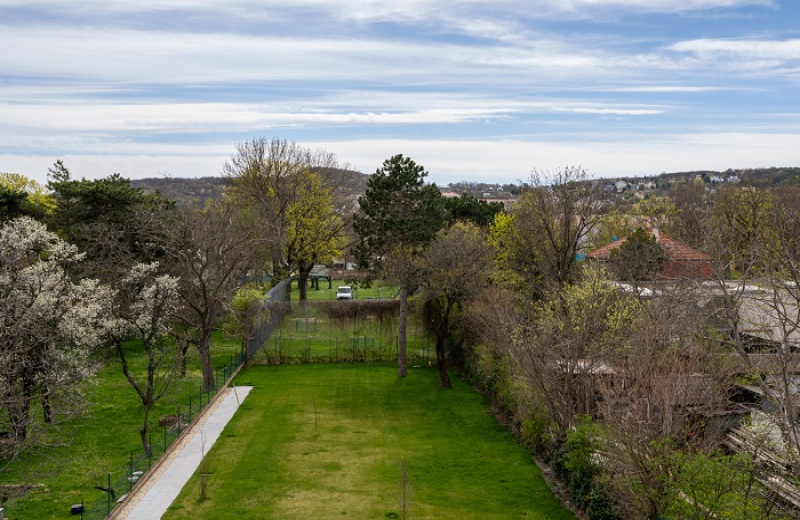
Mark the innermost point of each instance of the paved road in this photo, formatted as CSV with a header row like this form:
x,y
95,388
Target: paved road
x,y
165,487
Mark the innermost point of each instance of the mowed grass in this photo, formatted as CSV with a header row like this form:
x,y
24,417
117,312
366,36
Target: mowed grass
x,y
326,441
378,289
101,440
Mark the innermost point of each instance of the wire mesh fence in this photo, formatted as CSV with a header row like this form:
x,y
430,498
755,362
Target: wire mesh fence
x,y
341,331
108,494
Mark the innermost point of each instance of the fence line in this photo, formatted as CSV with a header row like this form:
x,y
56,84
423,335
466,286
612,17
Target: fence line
x,y
270,315
117,486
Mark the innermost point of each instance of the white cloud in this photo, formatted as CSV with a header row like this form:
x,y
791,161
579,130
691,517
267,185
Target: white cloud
x,y
380,9
208,117
742,53
610,111
667,89
449,160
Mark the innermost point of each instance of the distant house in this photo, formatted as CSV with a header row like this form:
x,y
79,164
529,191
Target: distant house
x,y
682,260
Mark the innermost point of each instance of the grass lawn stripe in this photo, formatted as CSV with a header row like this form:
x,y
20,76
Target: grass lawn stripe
x,y
325,441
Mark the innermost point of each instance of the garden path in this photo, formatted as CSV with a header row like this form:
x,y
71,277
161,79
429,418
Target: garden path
x,y
161,489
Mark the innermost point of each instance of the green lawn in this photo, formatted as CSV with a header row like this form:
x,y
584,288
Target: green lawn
x,y
378,289
309,335
103,440
326,441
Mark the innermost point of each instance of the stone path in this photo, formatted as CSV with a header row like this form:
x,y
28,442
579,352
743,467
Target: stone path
x,y
161,489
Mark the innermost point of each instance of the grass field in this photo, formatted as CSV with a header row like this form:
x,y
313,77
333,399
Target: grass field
x,y
378,289
103,440
326,441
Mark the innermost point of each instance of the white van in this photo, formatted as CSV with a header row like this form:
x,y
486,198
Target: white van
x,y
344,292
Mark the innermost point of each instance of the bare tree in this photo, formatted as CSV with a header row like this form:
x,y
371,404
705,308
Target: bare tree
x,y
263,174
557,213
690,212
662,383
211,249
561,345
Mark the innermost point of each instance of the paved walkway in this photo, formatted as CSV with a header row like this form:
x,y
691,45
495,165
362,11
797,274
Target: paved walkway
x,y
164,488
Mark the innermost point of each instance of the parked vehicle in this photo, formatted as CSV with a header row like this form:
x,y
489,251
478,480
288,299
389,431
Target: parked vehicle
x,y
344,292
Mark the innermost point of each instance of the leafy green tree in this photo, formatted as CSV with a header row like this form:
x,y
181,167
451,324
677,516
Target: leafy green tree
x,y
638,258
315,233
103,218
550,220
740,228
20,196
398,213
467,208
453,269
517,263
267,176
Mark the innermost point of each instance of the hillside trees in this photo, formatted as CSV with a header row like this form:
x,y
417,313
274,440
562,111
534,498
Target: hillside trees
x,y
399,215
48,327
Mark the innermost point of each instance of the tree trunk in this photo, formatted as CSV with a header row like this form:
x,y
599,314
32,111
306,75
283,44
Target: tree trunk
x,y
441,346
402,356
204,351
302,282
47,408
441,362
17,408
143,432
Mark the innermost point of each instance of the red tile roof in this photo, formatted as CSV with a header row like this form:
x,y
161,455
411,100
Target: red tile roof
x,y
674,249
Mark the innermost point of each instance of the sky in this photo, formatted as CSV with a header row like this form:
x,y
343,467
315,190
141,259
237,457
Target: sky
x,y
472,90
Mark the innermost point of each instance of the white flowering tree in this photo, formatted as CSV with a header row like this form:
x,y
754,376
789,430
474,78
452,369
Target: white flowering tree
x,y
145,304
48,326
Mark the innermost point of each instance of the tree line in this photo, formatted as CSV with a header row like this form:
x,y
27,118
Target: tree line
x,y
624,391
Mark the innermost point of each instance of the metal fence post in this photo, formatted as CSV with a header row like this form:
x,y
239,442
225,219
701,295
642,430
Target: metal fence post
x,y
130,475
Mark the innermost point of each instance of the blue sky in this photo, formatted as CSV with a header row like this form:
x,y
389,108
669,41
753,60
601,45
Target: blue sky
x,y
473,90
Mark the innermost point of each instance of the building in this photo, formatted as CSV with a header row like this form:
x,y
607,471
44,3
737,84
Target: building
x,y
682,260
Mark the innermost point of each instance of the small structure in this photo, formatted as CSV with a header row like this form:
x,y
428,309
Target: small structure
x,y
682,261
319,272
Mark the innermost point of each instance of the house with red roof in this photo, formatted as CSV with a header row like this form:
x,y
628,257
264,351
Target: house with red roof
x,y
682,261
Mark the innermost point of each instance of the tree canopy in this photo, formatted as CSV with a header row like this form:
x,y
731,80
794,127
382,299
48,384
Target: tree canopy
x,y
399,215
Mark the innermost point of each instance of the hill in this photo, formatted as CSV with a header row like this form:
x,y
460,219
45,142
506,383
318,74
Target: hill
x,y
200,189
